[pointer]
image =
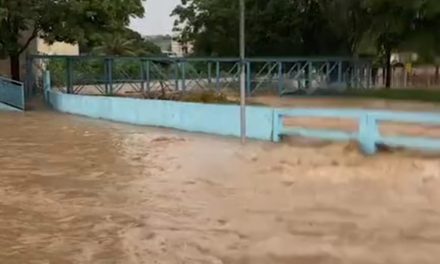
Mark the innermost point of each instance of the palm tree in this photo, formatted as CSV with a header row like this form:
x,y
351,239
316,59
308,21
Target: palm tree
x,y
117,45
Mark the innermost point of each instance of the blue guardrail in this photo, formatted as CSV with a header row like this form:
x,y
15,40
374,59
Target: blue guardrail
x,y
12,93
368,134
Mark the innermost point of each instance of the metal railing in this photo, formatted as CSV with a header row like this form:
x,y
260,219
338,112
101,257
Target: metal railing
x,y
368,134
12,93
116,75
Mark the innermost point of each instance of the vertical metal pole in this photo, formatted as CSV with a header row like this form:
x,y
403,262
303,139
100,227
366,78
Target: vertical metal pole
x,y
148,76
340,72
327,73
183,75
310,75
248,79
106,89
280,79
46,86
217,76
176,74
143,76
243,74
209,74
69,75
109,76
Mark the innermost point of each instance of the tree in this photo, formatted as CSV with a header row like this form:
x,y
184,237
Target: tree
x,y
273,27
122,43
116,45
349,20
72,21
404,24
212,26
390,26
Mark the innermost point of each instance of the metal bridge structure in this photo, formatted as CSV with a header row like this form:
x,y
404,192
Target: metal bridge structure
x,y
106,75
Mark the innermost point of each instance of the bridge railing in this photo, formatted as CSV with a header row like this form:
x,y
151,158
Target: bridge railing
x,y
368,134
280,76
12,93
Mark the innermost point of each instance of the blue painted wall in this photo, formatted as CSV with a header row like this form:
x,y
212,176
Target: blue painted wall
x,y
12,93
262,122
206,118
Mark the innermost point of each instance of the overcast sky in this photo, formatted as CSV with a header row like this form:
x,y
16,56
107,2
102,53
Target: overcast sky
x,y
157,20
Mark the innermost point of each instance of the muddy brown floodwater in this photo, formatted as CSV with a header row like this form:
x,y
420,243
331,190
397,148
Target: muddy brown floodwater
x,y
74,190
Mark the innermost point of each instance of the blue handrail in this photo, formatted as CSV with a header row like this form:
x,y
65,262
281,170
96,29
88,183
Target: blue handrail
x,y
368,134
12,93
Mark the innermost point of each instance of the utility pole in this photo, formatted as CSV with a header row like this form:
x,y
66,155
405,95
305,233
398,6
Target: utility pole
x,y
242,74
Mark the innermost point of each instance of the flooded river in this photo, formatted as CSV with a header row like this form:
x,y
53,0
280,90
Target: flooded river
x,y
75,190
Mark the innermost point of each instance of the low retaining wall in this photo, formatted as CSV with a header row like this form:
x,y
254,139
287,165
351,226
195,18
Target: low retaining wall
x,y
206,118
262,123
368,134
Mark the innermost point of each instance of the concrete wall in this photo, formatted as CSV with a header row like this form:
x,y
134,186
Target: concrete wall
x,y
262,122
192,117
57,48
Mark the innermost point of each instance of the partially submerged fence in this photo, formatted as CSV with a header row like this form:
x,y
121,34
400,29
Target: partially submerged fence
x,y
12,93
368,134
264,123
120,75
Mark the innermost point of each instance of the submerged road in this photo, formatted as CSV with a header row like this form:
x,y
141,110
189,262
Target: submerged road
x,y
75,190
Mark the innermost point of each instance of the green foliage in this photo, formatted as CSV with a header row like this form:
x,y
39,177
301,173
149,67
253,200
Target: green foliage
x,y
125,42
70,21
274,27
310,27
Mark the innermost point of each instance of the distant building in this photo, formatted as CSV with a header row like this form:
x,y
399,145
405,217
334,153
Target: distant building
x,y
404,57
162,41
38,46
171,47
181,49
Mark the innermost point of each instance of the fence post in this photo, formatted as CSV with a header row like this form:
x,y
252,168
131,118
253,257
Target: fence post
x,y
368,134
148,76
217,76
46,86
109,76
340,73
69,73
176,74
310,75
209,74
276,126
280,79
143,76
183,69
369,74
248,79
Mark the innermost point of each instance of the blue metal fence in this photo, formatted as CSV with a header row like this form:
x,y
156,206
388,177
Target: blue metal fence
x,y
12,93
368,134
281,76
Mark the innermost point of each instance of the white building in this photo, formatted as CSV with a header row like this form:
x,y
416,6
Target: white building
x,y
181,49
38,46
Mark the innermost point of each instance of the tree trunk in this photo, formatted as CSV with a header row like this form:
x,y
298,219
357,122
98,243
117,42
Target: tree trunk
x,y
15,67
388,68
